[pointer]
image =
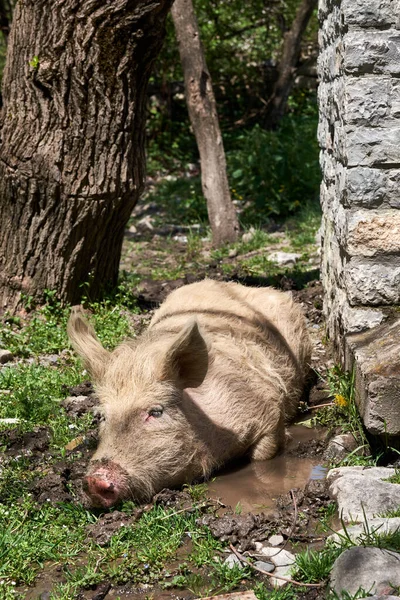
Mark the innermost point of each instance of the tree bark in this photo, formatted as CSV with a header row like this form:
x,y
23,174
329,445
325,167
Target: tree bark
x,y
204,119
72,141
288,63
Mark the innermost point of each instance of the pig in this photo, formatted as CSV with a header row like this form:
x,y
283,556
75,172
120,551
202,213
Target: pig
x,y
218,373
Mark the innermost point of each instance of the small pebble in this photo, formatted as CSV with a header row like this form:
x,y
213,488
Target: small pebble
x,y
233,561
276,540
268,567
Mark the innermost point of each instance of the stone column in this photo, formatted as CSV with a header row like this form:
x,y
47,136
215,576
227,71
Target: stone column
x,y
359,135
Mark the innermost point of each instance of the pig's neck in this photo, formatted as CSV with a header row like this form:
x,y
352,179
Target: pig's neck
x,y
209,412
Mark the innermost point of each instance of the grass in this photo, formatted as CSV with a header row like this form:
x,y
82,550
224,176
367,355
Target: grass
x,y
344,413
314,566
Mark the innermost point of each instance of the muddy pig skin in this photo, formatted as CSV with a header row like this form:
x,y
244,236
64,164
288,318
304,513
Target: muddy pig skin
x,y
217,374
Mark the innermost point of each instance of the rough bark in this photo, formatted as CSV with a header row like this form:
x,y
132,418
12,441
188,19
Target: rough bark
x,y
204,119
72,141
288,63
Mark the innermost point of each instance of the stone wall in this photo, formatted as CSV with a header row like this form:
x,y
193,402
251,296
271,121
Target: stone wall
x,y
359,135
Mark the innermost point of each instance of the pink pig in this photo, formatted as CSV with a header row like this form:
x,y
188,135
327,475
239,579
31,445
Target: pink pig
x,y
217,375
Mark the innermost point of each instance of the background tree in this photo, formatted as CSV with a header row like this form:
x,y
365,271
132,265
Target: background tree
x,y
286,68
72,131
204,119
272,173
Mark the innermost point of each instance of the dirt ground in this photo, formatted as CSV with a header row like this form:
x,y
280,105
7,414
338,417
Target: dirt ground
x,y
61,482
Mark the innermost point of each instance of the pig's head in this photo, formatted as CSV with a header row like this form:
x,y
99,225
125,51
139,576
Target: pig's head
x,y
146,441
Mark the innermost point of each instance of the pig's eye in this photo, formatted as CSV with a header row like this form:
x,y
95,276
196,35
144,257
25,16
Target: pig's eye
x,y
156,412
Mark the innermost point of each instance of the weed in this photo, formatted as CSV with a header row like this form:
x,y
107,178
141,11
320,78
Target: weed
x,y
395,478
344,412
326,514
288,592
315,566
360,593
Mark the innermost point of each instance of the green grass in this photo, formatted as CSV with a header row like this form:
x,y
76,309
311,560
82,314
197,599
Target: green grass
x,y
344,414
314,566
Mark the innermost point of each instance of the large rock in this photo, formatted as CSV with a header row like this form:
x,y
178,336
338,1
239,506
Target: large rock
x,y
374,570
367,530
363,492
376,355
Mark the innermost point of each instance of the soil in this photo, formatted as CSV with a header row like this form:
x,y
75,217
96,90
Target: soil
x,y
295,514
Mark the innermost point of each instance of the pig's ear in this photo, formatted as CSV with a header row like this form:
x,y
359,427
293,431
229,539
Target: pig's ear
x,y
186,360
87,344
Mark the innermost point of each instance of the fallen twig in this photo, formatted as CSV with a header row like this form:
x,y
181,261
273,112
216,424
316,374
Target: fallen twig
x,y
245,560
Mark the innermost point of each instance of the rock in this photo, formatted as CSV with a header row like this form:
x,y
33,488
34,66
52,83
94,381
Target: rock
x,y
381,597
284,258
275,540
339,447
248,236
377,376
250,595
362,492
49,360
283,561
233,252
373,569
233,561
264,566
360,533
5,356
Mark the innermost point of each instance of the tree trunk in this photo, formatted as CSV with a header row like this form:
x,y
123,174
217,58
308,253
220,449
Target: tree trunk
x,y
72,141
204,119
288,63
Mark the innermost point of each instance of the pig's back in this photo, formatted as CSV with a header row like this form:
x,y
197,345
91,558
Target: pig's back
x,y
258,313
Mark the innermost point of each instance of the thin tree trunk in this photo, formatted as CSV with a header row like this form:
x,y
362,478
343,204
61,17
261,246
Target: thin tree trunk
x,y
288,63
204,119
72,141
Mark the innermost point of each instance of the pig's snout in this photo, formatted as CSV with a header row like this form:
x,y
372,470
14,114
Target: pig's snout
x,y
106,485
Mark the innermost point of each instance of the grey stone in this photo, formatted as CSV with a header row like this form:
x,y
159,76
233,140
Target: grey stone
x,y
275,540
372,569
284,258
375,354
283,561
371,188
364,531
362,492
5,356
372,282
233,561
371,51
339,447
374,13
366,146
367,100
264,566
360,319
381,597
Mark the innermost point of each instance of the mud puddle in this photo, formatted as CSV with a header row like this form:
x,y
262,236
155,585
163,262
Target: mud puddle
x,y
254,486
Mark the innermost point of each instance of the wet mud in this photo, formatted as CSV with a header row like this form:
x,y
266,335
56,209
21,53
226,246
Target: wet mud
x,y
255,486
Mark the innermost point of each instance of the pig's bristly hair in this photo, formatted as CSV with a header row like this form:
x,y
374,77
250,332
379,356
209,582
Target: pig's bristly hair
x,y
84,340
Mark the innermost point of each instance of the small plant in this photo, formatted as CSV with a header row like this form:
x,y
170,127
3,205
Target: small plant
x,y
315,566
289,592
34,63
344,412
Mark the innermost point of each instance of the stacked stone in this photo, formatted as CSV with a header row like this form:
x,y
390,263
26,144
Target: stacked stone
x,y
359,135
